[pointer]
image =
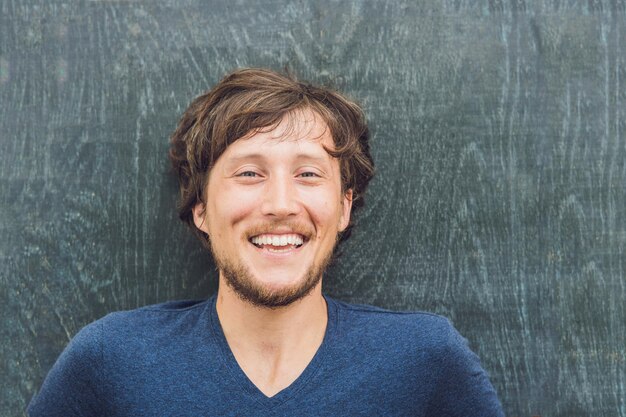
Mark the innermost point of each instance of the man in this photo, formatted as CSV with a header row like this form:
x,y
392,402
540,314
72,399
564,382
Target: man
x,y
270,171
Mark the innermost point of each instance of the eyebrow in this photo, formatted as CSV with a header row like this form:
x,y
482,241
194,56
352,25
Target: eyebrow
x,y
258,156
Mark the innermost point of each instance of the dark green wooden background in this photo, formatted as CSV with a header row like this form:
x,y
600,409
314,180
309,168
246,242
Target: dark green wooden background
x,y
498,133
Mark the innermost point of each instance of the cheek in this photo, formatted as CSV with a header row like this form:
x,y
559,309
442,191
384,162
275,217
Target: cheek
x,y
325,211
229,208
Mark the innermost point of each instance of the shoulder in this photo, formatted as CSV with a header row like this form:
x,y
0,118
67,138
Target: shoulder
x,y
152,325
413,337
419,348
424,328
116,334
107,353
370,311
73,385
156,313
94,339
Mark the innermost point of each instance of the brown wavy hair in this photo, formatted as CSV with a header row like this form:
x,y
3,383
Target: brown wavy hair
x,y
251,99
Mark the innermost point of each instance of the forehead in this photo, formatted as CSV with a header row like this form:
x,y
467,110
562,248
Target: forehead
x,y
303,128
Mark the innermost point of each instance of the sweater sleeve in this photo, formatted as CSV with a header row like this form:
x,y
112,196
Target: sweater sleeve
x,y
464,388
72,385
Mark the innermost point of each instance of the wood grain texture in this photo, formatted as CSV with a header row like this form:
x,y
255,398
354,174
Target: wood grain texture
x,y
499,201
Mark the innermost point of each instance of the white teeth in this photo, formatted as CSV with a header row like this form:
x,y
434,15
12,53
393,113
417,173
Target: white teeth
x,y
278,240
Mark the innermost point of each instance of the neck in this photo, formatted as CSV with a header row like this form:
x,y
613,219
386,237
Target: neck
x,y
272,346
275,331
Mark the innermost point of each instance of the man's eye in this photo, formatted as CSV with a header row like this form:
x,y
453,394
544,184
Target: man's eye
x,y
248,174
309,174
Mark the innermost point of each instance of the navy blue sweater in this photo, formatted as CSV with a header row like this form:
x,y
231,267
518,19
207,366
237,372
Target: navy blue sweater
x,y
172,359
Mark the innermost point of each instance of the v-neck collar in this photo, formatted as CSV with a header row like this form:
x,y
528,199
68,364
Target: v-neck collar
x,y
242,380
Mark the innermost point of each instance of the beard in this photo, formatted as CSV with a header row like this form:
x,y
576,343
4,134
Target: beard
x,y
241,280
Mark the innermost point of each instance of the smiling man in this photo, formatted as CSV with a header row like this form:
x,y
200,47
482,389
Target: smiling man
x,y
271,171
273,207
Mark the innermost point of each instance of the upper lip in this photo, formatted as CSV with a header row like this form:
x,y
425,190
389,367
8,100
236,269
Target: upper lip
x,y
280,231
275,233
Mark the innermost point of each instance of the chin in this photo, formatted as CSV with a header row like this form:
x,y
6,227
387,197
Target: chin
x,y
269,294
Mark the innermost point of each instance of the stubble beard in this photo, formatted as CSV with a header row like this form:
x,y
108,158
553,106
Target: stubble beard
x,y
240,279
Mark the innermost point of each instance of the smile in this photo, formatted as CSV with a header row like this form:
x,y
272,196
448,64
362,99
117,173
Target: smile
x,y
278,243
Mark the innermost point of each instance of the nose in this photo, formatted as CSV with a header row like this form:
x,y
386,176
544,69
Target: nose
x,y
280,198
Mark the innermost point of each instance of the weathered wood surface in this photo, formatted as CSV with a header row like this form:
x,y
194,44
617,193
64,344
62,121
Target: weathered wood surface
x,y
498,132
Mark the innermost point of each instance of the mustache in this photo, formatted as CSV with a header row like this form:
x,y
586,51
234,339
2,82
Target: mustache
x,y
293,226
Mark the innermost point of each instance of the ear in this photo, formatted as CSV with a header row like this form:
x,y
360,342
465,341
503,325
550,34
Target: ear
x,y
199,217
346,209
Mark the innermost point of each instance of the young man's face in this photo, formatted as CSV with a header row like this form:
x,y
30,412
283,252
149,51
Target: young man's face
x,y
274,207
